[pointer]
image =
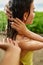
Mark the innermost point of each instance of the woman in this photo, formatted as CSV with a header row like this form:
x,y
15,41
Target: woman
x,y
26,42
24,10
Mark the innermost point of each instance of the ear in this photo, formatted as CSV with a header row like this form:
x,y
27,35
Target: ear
x,y
25,16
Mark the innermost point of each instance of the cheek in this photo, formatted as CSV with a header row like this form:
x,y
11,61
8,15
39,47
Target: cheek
x,y
32,16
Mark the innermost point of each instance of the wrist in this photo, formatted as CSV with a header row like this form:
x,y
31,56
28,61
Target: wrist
x,y
26,32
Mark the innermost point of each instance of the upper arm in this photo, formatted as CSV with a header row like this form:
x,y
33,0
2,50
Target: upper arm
x,y
23,44
31,45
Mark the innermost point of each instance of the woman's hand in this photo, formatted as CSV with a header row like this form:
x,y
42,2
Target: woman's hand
x,y
8,43
13,44
16,23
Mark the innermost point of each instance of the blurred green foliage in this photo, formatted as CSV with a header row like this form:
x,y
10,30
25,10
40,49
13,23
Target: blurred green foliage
x,y
36,27
3,21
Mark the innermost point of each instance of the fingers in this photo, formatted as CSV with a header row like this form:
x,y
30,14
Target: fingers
x,y
8,40
12,42
8,12
14,20
19,20
7,9
8,15
15,26
11,18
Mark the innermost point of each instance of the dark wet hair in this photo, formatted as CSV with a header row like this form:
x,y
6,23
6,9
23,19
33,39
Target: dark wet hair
x,y
18,8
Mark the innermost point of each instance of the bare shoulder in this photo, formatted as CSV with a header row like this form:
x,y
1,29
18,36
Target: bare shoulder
x,y
20,37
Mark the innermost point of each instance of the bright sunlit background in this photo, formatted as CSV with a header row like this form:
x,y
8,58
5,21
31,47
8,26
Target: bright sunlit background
x,y
38,4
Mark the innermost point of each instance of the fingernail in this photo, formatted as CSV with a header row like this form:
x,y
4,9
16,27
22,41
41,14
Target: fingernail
x,y
12,23
11,12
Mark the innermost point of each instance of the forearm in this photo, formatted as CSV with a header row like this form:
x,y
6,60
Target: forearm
x,y
31,45
35,45
4,46
33,36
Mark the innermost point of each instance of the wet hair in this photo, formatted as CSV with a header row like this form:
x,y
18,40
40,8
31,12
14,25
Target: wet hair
x,y
18,8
